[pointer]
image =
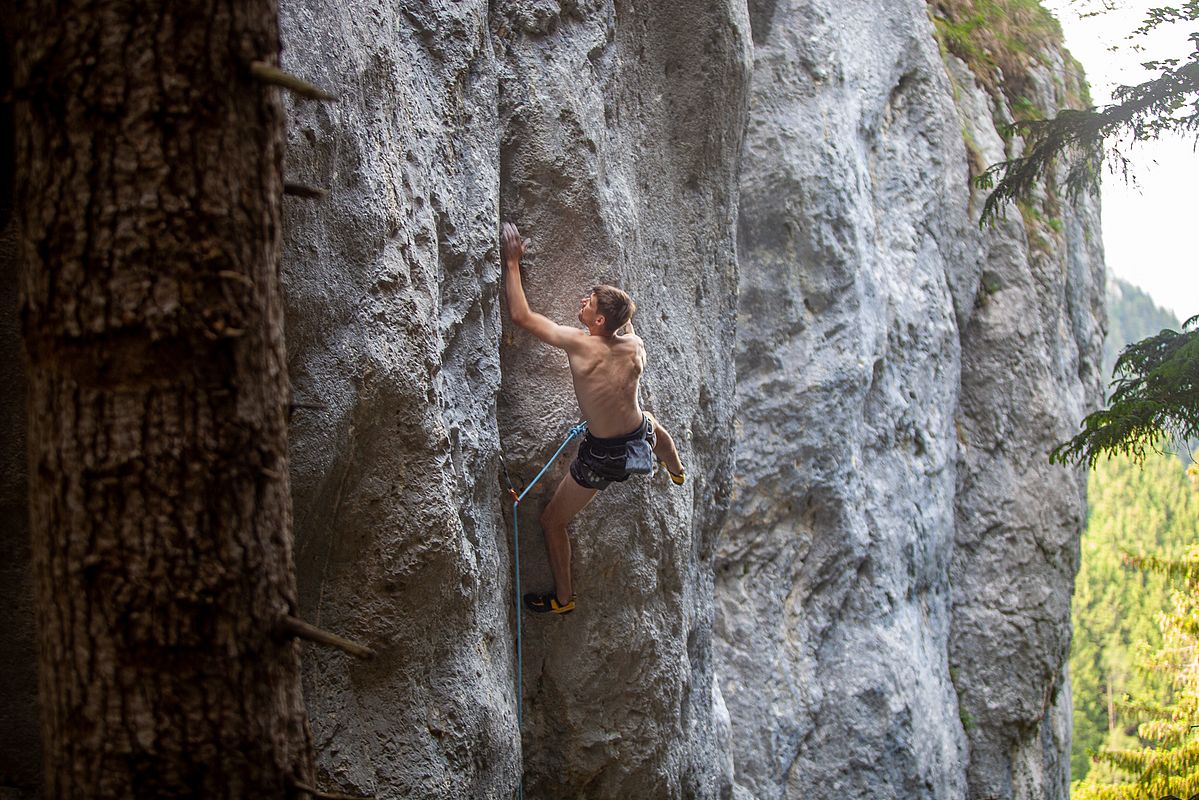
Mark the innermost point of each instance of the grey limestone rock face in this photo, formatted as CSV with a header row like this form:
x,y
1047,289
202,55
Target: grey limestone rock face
x,y
393,331
863,588
893,582
833,601
1031,369
611,134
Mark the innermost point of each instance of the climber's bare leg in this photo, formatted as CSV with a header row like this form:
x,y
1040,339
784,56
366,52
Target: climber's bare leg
x,y
569,499
664,448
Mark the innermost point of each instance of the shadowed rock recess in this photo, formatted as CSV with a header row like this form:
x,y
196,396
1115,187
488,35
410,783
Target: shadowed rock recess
x,y
863,588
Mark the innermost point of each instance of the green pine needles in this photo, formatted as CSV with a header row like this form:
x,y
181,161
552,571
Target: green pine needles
x,y
1169,103
1155,396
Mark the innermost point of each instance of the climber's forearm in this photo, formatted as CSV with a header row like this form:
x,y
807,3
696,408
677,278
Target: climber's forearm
x,y
518,305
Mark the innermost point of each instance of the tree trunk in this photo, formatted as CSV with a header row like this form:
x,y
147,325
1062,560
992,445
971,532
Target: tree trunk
x,y
148,197
1111,709
20,752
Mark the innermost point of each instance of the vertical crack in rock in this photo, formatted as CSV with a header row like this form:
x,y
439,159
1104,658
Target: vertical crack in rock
x,y
393,327
595,125
621,131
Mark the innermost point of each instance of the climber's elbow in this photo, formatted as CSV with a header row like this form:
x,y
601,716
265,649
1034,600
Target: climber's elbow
x,y
521,318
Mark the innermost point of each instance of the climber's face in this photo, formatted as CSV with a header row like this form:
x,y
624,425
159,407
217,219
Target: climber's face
x,y
587,311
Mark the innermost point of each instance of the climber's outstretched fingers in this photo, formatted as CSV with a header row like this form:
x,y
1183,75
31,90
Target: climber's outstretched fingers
x,y
512,245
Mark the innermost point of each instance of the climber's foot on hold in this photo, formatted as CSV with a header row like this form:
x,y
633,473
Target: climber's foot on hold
x,y
676,478
547,603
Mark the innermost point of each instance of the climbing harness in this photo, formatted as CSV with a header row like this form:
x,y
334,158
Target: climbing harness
x,y
516,498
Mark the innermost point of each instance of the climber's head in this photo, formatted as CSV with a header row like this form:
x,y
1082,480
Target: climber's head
x,y
606,309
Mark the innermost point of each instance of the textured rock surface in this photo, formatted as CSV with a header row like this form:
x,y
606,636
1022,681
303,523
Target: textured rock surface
x,y
393,329
834,603
1031,368
893,586
884,610
619,157
591,126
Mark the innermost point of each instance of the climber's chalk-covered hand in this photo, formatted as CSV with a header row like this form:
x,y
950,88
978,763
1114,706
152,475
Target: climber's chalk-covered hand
x,y
513,245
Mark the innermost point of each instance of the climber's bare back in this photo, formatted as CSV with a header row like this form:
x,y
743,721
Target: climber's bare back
x,y
606,362
606,372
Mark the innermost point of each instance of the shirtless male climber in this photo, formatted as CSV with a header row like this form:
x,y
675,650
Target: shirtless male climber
x,y
606,361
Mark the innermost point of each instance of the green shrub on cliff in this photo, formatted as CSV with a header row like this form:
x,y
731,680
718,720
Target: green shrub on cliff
x,y
998,39
1082,138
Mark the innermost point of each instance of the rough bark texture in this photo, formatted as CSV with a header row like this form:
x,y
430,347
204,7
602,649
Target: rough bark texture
x,y
148,196
20,753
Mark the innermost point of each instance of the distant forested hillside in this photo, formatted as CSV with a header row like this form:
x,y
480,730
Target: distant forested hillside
x,y
1150,509
1131,316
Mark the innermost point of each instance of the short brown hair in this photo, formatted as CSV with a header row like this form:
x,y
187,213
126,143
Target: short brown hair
x,y
616,306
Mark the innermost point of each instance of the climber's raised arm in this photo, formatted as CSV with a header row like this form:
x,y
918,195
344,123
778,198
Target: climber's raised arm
x,y
539,325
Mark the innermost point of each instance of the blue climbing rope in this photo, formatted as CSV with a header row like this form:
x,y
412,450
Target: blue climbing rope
x,y
516,498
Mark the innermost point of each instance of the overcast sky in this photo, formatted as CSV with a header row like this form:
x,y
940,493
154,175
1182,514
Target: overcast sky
x,y
1150,229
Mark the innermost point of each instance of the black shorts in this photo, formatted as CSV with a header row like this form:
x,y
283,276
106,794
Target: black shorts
x,y
604,461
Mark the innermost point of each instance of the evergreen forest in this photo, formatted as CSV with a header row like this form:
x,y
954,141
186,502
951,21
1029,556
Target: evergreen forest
x,y
1126,614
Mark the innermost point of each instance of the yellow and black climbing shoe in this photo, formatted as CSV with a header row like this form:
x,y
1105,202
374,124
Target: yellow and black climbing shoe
x,y
547,603
678,479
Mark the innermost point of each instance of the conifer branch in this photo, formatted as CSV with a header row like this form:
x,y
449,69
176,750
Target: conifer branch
x,y
1155,396
1144,111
